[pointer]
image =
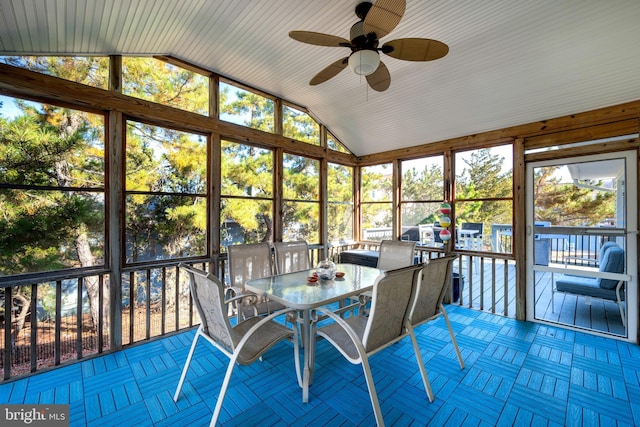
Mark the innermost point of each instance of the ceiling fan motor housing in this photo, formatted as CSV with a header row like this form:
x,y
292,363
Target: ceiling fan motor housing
x,y
362,9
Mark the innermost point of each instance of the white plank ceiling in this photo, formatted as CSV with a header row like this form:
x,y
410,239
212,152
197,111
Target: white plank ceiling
x,y
510,61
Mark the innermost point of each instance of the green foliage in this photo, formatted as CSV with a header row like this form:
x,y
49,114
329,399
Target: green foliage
x,y
483,178
52,152
340,203
299,125
426,188
247,189
566,204
246,108
376,196
161,82
91,71
164,164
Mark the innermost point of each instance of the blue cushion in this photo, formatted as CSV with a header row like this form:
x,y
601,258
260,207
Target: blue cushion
x,y
587,286
604,248
612,262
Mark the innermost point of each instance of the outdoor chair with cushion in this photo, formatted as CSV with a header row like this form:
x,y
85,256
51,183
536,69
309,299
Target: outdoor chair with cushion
x,y
594,262
358,337
613,261
244,343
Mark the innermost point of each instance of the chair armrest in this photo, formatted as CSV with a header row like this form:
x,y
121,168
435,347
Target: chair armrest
x,y
232,291
346,308
252,299
236,296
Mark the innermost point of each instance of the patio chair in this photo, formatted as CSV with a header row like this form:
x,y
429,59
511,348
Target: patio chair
x,y
243,344
430,291
291,256
247,262
426,233
358,338
396,254
436,233
476,240
613,261
594,262
393,254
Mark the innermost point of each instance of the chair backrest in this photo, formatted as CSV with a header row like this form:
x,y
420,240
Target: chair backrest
x,y
473,226
396,254
425,231
208,297
612,262
292,256
437,228
431,289
604,248
390,300
249,261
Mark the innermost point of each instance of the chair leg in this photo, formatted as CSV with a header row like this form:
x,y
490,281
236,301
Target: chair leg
x,y
372,391
223,390
186,365
622,315
296,351
620,304
423,371
553,294
453,337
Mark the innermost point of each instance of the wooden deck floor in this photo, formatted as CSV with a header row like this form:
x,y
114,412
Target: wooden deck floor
x,y
483,285
516,373
597,315
570,310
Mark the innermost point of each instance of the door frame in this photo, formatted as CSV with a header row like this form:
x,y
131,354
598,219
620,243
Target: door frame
x,y
630,233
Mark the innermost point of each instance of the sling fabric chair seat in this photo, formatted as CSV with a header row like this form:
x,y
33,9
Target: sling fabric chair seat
x,y
243,344
359,337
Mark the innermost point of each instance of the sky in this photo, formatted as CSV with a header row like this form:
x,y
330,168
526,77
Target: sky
x,y
9,109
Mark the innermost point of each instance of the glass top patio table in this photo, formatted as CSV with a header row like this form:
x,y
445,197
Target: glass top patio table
x,y
292,290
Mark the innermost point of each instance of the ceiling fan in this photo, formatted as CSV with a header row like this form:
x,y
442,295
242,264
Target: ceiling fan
x,y
376,21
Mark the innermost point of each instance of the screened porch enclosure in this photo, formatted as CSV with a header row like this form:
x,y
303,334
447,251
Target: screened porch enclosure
x,y
140,185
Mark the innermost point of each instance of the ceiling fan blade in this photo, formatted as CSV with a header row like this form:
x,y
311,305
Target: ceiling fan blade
x,y
383,17
416,49
319,39
380,80
331,71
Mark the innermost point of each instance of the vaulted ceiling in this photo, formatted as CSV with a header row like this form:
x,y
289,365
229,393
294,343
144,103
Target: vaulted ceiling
x,y
510,61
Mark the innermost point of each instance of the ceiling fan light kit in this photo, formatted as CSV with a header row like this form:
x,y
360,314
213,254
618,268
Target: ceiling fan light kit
x,y
364,62
376,21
